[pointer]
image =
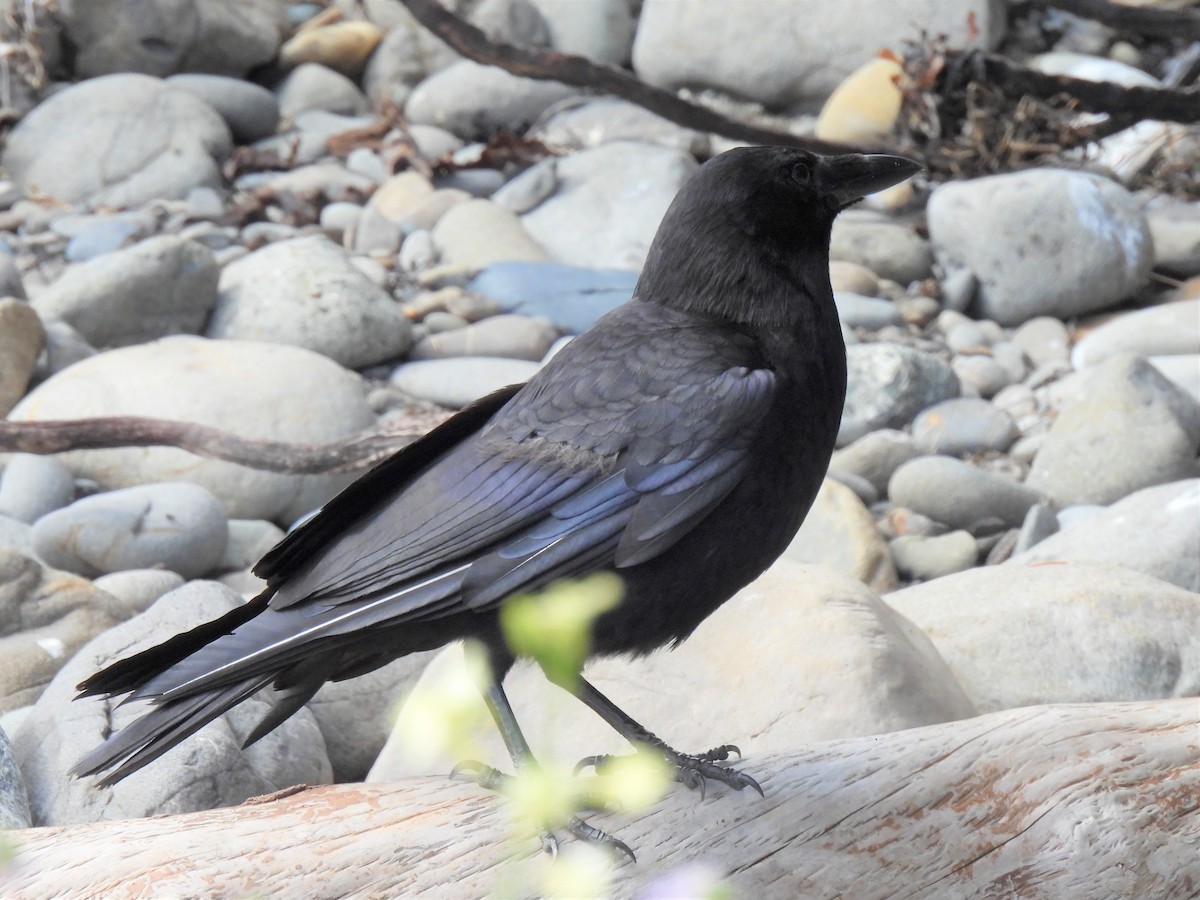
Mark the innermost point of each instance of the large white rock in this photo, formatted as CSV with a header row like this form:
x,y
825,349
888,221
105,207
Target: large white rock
x,y
266,391
832,661
1042,242
788,53
1019,635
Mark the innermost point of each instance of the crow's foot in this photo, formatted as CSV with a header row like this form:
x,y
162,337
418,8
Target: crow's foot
x,y
692,771
492,779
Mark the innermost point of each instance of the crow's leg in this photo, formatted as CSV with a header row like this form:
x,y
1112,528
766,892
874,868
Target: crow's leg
x,y
522,757
693,771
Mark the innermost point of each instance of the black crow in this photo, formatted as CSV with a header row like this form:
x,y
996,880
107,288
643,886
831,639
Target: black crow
x,y
678,442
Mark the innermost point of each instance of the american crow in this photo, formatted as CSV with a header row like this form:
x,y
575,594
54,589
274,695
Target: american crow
x,y
678,442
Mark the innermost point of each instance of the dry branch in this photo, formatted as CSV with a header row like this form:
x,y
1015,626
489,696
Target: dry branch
x,y
578,71
357,451
1081,801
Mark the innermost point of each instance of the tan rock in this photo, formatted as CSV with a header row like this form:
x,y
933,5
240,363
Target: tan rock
x,y
864,107
852,278
840,533
342,46
21,340
400,194
477,233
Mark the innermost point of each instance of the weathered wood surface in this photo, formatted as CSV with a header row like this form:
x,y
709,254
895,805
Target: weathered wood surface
x,y
1081,801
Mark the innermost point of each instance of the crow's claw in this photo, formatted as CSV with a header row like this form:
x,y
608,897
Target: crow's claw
x,y
594,835
488,778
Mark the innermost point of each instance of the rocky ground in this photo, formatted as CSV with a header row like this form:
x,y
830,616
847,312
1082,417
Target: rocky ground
x,y
323,232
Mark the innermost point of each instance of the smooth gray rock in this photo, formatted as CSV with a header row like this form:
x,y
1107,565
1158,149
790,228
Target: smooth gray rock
x,y
77,146
45,617
22,337
983,226
31,486
963,426
958,494
306,292
226,37
1170,329
249,540
1040,523
1017,635
889,384
394,68
609,204
1043,339
980,376
601,30
509,336
529,188
178,526
839,534
208,771
1175,228
586,122
164,285
784,56
1155,531
1130,429
250,110
886,248
1183,371
139,588
314,87
473,100
876,456
472,235
458,382
14,802
927,557
865,312
264,391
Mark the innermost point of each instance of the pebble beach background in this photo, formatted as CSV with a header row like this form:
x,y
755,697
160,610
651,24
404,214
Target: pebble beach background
x,y
293,221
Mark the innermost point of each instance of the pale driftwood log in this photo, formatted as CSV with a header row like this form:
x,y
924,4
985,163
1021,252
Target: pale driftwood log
x,y
1080,801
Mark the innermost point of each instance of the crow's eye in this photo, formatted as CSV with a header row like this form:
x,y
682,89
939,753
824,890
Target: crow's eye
x,y
802,172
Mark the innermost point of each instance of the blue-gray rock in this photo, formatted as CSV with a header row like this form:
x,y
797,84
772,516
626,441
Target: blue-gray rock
x,y
1040,522
103,235
313,87
77,146
306,292
164,285
572,297
925,558
963,426
984,226
458,382
958,494
227,37
509,336
886,248
211,770
1129,429
870,313
876,456
476,182
473,100
178,526
250,110
14,802
31,486
1156,531
10,278
889,384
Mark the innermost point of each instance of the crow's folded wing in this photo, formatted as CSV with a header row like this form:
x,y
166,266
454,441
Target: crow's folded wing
x,y
574,474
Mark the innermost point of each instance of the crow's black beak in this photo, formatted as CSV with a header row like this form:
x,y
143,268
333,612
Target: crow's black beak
x,y
851,177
